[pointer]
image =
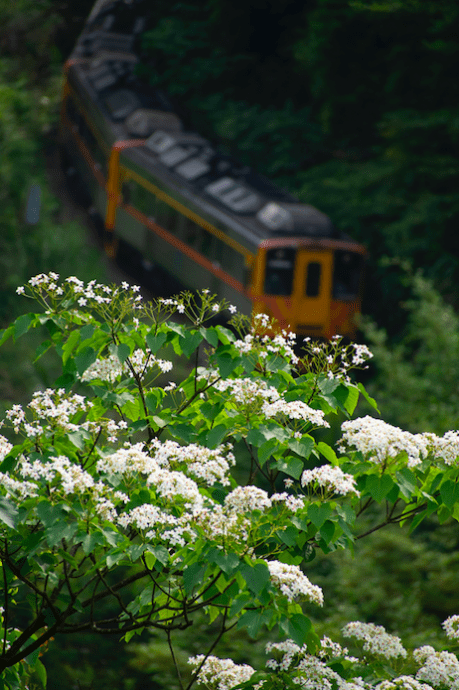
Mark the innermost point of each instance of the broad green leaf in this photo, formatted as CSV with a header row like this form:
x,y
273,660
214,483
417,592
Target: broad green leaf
x,y
40,671
449,492
406,481
211,335
84,359
22,325
302,446
379,487
328,452
216,436
367,397
193,576
90,541
291,466
296,627
327,531
70,345
59,531
190,342
227,364
155,342
122,351
318,514
8,513
228,562
253,621
256,576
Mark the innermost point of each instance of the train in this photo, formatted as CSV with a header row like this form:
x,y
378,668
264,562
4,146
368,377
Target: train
x,y
193,214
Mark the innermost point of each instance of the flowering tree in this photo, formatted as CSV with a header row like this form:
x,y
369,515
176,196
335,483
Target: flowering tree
x,y
110,479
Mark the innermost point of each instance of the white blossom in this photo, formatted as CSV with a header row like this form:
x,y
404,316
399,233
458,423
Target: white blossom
x,y
330,478
220,674
375,639
293,583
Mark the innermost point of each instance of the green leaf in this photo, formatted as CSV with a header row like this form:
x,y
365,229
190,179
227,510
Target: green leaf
x,y
296,627
193,576
266,450
161,553
6,333
216,436
407,482
291,466
40,671
367,397
318,514
8,513
70,345
228,562
84,360
22,325
122,351
190,342
155,342
211,335
256,576
449,492
379,487
302,446
253,621
328,452
90,541
226,364
327,531
60,531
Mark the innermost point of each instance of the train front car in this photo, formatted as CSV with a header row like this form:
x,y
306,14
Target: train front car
x,y
307,275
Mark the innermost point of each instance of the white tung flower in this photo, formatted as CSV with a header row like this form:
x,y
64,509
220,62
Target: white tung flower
x,y
293,583
375,639
331,479
220,674
451,627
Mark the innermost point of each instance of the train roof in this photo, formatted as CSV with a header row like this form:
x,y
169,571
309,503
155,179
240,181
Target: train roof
x,y
102,68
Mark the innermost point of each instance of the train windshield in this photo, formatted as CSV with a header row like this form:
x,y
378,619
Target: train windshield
x,y
347,274
279,271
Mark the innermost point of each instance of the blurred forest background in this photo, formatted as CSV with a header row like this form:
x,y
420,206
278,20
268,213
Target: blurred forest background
x,y
353,106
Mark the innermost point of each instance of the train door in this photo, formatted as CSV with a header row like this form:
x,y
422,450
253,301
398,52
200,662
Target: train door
x,y
311,293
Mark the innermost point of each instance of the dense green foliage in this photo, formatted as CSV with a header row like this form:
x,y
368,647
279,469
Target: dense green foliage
x,y
352,105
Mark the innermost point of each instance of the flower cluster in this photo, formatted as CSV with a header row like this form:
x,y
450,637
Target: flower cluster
x,y
329,480
45,287
261,342
440,670
220,674
295,410
381,442
375,639
451,627
333,358
249,393
402,683
5,447
110,368
293,583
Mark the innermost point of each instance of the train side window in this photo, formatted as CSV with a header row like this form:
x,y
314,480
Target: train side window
x,y
279,271
164,214
313,274
140,197
347,273
192,233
